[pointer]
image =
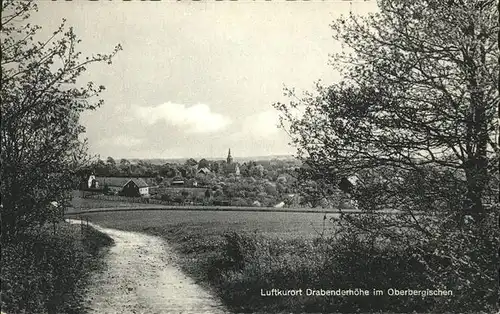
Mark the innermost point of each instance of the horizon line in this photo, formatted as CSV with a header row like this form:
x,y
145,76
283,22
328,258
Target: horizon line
x,y
219,157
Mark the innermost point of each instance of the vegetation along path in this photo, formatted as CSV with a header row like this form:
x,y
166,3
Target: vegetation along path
x,y
140,277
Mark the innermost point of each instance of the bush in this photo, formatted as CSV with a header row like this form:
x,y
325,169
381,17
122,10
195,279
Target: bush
x,y
44,272
240,202
238,249
249,263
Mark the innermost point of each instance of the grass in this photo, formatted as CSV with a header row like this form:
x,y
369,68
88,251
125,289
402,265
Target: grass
x,y
96,203
236,254
46,272
214,223
80,203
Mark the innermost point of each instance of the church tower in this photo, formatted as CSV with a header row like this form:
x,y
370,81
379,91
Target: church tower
x,y
229,157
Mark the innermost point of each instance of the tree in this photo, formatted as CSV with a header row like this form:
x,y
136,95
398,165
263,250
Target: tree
x,y
203,163
110,161
112,169
416,119
270,189
106,190
136,170
40,109
215,167
158,179
420,98
100,168
191,162
167,170
146,169
257,171
124,166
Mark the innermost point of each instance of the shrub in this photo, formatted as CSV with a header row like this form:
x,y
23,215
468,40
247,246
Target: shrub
x,y
251,262
44,272
166,198
238,249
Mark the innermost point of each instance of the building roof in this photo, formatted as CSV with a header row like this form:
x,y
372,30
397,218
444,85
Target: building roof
x,y
204,170
140,182
120,181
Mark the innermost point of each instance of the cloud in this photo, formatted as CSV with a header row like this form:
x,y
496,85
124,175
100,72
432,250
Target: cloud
x,y
121,141
194,119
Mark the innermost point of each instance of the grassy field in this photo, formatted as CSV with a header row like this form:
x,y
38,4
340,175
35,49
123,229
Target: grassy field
x,y
80,203
237,255
213,223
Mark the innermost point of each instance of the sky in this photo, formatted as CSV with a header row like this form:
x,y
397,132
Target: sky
x,y
197,78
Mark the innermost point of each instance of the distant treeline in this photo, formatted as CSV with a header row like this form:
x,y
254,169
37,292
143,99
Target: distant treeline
x,y
144,168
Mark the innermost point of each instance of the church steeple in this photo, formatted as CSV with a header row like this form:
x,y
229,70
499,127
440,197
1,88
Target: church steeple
x,y
229,157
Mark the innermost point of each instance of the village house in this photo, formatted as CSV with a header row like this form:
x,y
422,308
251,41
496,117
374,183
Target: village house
x,y
126,186
203,170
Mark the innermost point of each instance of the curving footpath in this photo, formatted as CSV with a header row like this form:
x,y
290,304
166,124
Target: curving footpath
x,y
140,277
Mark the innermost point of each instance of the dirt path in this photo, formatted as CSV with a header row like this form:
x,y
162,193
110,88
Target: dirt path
x,y
140,277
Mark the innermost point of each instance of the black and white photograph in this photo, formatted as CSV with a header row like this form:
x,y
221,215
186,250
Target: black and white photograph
x,y
249,156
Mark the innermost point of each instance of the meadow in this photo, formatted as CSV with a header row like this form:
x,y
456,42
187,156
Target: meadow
x,y
237,255
208,223
79,203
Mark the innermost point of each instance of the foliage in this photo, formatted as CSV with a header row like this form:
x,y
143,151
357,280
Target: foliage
x,y
106,190
203,163
191,162
250,263
238,249
46,272
416,121
41,104
420,94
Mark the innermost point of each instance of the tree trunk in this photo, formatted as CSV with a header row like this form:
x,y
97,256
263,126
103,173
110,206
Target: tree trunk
x,y
477,135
